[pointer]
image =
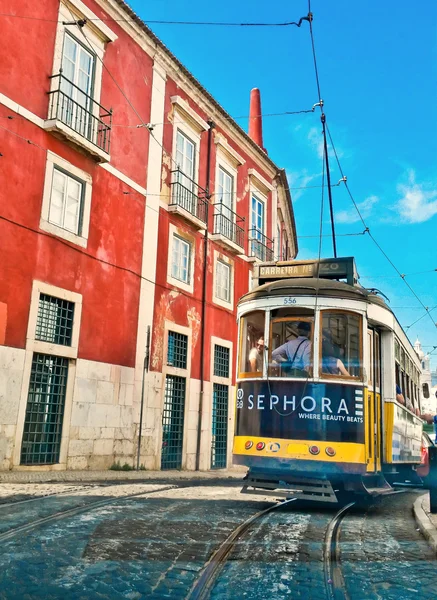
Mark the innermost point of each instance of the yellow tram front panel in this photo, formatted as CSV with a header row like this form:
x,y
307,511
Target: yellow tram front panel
x,y
298,450
285,424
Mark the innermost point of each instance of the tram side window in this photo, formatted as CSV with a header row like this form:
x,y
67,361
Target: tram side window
x,y
341,351
252,344
292,343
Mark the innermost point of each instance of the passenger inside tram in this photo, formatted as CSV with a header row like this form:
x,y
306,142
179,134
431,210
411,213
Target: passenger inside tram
x,y
252,344
399,395
341,346
294,356
331,364
256,356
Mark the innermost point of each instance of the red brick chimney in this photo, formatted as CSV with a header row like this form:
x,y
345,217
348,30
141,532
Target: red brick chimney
x,y
255,120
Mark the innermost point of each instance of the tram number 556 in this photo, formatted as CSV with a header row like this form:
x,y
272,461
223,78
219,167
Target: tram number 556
x,y
289,300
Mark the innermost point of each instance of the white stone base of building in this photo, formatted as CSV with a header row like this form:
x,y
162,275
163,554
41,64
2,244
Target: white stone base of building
x,y
101,424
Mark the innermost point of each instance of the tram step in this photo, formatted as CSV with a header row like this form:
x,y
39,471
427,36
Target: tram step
x,y
379,491
376,485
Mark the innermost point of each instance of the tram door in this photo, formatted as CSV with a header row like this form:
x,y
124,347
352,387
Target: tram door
x,y
373,404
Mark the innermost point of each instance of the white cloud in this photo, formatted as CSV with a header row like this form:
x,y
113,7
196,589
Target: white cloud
x,y
351,215
416,205
302,179
315,139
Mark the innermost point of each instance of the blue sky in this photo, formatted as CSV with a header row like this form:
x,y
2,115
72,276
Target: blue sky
x,y
378,74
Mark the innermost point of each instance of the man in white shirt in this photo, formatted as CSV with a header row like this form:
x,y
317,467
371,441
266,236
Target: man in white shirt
x,y
296,353
256,356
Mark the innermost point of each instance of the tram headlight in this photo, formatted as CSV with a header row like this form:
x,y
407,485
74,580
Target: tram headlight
x,y
260,446
314,450
330,451
248,445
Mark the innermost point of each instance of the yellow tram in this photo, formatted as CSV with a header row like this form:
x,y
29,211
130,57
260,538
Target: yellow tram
x,y
327,393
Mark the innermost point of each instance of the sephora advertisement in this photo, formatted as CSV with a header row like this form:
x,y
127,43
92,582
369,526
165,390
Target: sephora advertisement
x,y
300,410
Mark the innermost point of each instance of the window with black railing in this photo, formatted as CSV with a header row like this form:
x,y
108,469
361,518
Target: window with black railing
x,y
186,194
70,105
260,246
228,224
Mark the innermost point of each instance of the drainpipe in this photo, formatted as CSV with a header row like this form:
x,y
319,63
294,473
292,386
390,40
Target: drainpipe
x,y
202,322
145,370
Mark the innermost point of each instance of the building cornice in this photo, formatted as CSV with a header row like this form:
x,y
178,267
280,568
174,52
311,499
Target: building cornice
x,y
260,181
156,49
286,207
93,21
197,121
231,154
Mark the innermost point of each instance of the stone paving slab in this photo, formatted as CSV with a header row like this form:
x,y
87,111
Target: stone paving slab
x,y
151,546
426,521
76,476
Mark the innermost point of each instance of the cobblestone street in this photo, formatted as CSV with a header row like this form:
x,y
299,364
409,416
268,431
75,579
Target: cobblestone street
x,y
151,540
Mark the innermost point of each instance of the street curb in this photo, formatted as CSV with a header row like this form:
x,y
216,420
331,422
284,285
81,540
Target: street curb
x,y
82,476
427,529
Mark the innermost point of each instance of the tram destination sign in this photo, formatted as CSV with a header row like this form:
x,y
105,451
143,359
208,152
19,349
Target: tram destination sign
x,y
335,268
300,410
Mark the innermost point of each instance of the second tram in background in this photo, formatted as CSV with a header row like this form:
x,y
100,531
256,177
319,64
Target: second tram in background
x,y
327,397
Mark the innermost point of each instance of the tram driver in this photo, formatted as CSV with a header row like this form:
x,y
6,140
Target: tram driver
x,y
295,355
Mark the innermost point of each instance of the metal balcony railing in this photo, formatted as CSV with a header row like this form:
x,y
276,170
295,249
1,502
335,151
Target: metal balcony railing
x,y
226,224
188,195
260,246
79,111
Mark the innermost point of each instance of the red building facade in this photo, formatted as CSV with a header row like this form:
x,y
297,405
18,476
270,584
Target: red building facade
x,y
132,209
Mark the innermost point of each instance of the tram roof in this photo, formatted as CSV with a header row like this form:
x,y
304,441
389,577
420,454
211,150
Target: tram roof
x,y
307,286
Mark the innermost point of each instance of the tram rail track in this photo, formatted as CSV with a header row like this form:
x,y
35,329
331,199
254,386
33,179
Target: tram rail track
x,y
334,580
11,533
335,584
212,569
82,488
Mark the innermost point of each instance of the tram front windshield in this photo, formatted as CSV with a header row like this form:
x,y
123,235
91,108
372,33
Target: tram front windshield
x,y
288,350
291,347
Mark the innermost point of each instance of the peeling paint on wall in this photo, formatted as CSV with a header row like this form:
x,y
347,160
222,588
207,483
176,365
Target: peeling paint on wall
x,y
163,313
194,321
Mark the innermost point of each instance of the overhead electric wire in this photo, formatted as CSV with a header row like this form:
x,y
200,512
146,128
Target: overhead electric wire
x,y
310,15
323,120
228,118
428,310
309,187
342,174
99,260
402,276
329,235
165,22
146,125
395,276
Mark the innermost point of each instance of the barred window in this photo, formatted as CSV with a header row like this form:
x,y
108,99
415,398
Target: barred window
x,y
177,350
219,437
45,410
173,422
54,321
221,361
